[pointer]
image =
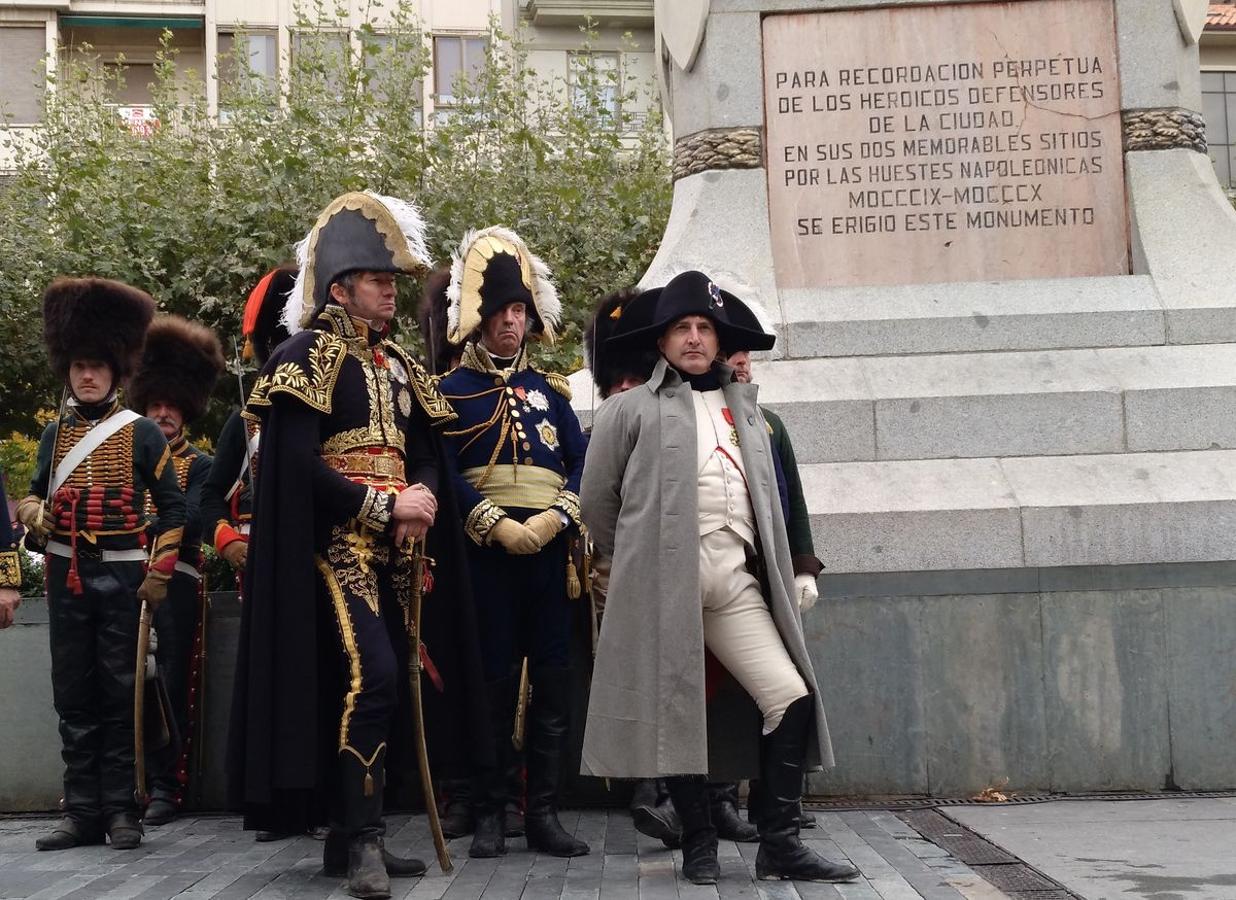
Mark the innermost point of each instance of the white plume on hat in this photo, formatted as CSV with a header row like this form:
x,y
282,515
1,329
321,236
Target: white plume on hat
x,y
544,293
406,214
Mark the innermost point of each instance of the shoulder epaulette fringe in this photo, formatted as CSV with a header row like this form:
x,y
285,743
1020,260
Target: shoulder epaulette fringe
x,y
558,382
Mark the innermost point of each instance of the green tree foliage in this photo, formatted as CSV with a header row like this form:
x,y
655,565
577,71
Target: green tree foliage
x,y
196,211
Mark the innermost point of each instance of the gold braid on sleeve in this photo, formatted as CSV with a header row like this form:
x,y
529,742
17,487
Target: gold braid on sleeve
x,y
375,511
568,502
484,516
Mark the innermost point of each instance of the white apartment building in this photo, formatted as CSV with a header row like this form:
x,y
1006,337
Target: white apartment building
x,y
33,32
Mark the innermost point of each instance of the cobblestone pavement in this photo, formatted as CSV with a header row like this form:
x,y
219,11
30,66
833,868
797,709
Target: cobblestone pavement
x,y
210,857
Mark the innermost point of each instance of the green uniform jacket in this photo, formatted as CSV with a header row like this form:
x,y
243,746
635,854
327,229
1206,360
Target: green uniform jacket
x,y
798,528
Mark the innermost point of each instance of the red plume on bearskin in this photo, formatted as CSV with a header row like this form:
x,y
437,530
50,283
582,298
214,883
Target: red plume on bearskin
x,y
261,323
95,318
180,365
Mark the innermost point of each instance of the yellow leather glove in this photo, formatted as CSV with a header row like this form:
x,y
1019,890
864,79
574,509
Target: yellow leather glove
x,y
36,516
514,537
153,589
545,525
235,554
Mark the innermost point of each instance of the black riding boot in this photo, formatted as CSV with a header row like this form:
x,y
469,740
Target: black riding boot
x,y
654,815
781,853
335,857
546,739
805,819
361,782
455,809
699,835
516,791
489,786
723,798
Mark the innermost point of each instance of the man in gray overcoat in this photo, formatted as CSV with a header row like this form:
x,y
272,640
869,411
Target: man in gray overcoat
x,y
679,490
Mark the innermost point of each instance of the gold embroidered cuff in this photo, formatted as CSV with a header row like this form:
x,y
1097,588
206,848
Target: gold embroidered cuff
x,y
10,569
484,516
375,511
568,502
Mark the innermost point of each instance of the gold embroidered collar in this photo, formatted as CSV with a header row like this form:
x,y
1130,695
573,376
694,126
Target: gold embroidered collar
x,y
334,319
477,358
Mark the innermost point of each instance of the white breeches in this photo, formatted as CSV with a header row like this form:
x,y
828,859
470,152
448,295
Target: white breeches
x,y
739,630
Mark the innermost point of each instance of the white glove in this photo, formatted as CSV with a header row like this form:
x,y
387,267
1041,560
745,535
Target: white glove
x,y
806,591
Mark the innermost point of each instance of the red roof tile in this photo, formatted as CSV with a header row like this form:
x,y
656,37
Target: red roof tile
x,y
1221,16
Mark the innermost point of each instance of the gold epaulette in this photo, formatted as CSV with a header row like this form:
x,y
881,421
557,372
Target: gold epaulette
x,y
558,382
311,379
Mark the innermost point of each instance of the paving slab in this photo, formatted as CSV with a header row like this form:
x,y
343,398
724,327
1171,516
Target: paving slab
x,y
623,865
1167,849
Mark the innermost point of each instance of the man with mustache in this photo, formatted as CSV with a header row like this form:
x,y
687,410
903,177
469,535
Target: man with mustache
x,y
172,385
517,452
105,556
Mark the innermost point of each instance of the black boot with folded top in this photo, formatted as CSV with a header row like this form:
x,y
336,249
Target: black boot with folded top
x,y
357,848
699,834
782,855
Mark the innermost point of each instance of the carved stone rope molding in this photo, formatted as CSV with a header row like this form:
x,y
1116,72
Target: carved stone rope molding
x,y
1164,128
718,148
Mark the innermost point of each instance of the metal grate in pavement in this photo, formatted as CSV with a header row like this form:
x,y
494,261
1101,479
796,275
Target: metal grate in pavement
x,y
987,860
1017,877
899,803
958,840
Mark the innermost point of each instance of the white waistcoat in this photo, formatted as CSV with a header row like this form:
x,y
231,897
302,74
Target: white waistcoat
x,y
724,501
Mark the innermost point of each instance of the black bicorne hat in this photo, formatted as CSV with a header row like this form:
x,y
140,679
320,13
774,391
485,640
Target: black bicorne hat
x,y
494,267
694,294
95,318
180,365
358,231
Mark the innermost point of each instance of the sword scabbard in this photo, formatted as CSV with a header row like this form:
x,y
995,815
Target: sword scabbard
x,y
139,707
413,622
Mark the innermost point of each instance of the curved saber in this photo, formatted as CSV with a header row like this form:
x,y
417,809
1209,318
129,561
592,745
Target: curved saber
x,y
139,708
413,623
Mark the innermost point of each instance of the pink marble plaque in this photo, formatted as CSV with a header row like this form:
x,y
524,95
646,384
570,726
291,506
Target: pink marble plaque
x,y
967,142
